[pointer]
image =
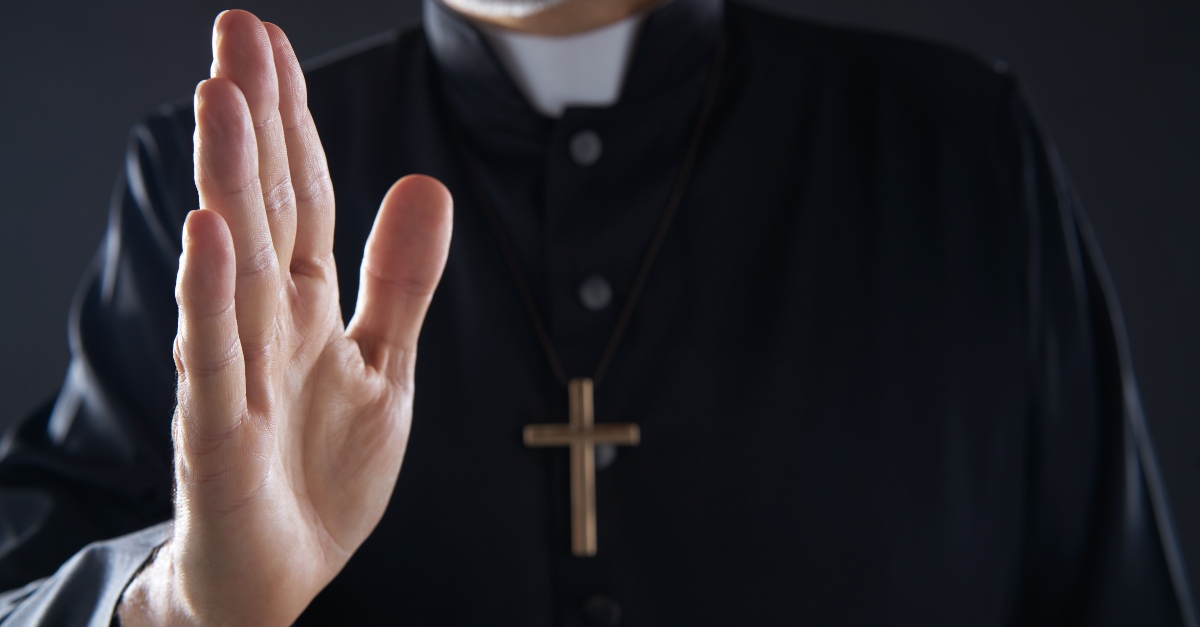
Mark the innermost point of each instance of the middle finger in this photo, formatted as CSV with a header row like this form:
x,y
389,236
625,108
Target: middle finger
x,y
242,53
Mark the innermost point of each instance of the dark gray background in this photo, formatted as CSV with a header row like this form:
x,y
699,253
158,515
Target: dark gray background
x,y
1117,82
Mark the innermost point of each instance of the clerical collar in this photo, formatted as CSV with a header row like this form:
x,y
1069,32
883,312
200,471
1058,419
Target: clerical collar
x,y
585,69
672,47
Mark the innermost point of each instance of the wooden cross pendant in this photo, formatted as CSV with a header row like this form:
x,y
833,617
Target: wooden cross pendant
x,y
582,435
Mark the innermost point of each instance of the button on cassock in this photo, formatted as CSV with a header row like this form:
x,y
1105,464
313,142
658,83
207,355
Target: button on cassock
x,y
602,611
595,293
585,147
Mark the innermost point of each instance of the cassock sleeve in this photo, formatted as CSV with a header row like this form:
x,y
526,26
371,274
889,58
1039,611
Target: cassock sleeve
x,y
85,591
96,462
1100,546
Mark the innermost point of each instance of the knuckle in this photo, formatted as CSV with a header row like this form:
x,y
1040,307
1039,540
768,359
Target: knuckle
x,y
259,337
303,116
199,365
263,125
406,286
257,347
315,187
233,190
279,197
261,262
193,310
196,434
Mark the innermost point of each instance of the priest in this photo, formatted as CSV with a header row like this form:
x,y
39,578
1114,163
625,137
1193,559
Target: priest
x,y
744,321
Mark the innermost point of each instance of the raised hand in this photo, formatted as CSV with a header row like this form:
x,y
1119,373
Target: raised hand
x,y
290,426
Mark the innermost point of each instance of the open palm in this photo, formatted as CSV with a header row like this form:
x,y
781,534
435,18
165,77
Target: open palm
x,y
290,426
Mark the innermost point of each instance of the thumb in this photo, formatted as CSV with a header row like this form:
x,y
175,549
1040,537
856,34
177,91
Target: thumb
x,y
401,267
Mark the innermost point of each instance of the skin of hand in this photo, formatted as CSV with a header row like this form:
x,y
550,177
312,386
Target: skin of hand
x,y
290,426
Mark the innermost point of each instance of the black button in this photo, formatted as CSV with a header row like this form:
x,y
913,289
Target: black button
x,y
602,611
595,293
585,147
606,454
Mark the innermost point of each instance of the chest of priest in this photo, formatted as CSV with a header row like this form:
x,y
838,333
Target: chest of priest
x,y
839,364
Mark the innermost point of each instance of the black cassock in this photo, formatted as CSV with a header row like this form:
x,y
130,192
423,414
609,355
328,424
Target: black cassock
x,y
878,370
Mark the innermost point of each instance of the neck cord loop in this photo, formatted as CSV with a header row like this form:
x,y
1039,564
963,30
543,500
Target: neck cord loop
x,y
664,224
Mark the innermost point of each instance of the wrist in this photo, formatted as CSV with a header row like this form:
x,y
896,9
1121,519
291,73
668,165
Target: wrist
x,y
151,599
